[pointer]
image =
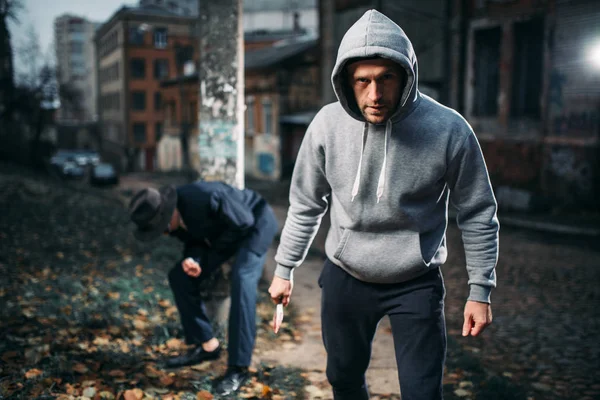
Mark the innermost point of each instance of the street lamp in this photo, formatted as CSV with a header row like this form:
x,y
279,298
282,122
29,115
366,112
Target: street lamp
x,y
593,55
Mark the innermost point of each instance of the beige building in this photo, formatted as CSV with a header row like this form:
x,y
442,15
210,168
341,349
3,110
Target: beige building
x,y
75,59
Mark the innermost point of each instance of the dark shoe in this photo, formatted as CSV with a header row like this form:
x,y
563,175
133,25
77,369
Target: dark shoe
x,y
232,381
192,357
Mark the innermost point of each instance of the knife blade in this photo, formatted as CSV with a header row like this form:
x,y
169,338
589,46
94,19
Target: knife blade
x,y
277,317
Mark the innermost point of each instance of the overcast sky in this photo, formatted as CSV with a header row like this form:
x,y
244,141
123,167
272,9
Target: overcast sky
x,y
40,15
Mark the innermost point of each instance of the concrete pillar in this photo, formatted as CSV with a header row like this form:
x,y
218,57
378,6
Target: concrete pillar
x,y
221,115
328,51
221,105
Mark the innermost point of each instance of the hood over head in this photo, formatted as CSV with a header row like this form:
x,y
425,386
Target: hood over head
x,y
375,35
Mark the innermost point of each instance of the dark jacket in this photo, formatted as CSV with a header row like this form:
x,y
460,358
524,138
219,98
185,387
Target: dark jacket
x,y
220,219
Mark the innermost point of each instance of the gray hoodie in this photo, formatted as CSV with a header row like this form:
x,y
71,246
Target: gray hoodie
x,y
388,185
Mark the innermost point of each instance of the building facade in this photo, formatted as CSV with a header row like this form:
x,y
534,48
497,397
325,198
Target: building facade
x,y
76,67
137,49
424,21
281,94
180,7
274,15
523,77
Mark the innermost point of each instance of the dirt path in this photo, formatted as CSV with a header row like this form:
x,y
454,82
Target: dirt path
x,y
309,354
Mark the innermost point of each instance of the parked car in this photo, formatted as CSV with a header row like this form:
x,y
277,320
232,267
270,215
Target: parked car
x,y
104,174
70,169
87,158
83,158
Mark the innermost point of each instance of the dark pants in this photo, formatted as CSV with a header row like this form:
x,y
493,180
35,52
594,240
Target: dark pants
x,y
350,312
245,274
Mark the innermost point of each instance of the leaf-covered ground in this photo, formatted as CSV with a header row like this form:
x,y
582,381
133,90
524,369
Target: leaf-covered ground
x,y
86,311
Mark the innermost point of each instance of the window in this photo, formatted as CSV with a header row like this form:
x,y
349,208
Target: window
x,y
250,116
138,68
160,38
136,36
487,66
161,68
267,116
157,101
138,101
158,131
171,116
527,68
76,47
139,132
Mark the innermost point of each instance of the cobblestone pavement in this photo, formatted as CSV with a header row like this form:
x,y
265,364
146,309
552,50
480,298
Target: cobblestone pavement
x,y
546,323
546,326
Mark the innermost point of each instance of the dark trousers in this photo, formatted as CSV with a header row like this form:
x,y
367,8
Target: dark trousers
x,y
245,274
350,312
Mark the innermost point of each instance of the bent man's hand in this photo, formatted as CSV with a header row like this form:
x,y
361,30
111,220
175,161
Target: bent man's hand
x,y
281,290
477,317
191,267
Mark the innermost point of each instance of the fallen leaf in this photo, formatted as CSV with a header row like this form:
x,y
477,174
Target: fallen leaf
x,y
204,366
167,380
139,324
154,390
33,373
204,395
89,392
164,303
133,394
70,389
152,372
266,391
101,341
174,344
117,373
114,295
8,355
462,393
104,395
80,368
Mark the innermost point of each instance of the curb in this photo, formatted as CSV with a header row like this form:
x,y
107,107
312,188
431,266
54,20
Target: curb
x,y
549,227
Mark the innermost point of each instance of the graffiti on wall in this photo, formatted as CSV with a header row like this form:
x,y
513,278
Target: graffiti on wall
x,y
217,147
512,163
577,123
572,115
565,164
266,153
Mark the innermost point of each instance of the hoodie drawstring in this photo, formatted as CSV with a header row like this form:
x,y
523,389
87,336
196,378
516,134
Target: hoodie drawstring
x,y
362,149
381,182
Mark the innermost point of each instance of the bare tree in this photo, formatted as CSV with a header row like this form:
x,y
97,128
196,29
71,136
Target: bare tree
x,y
9,10
38,93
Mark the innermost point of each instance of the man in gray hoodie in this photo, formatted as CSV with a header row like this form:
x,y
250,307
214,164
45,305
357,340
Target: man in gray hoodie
x,y
386,160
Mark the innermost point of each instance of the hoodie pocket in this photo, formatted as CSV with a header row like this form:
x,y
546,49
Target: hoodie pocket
x,y
381,258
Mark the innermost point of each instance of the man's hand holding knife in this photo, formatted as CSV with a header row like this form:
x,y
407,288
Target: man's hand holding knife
x,y
280,291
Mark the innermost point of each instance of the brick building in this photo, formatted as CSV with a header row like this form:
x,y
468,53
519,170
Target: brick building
x,y
523,77
282,95
136,49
